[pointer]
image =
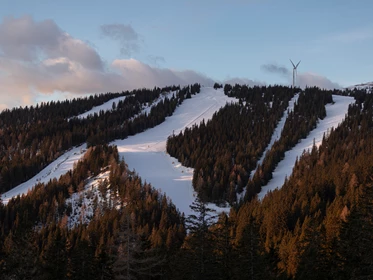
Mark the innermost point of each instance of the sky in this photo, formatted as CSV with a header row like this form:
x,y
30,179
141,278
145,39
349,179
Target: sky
x,y
65,49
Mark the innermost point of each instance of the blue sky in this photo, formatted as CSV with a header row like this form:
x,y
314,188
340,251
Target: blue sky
x,y
220,39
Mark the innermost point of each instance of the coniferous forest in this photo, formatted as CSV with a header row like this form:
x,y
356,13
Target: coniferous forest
x,y
319,225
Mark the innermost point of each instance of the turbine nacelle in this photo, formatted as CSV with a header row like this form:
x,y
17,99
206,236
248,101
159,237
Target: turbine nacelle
x,y
295,66
294,71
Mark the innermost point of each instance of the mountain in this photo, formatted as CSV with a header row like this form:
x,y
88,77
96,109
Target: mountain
x,y
366,86
189,183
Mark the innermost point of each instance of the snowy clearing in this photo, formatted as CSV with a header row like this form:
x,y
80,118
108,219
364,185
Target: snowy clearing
x,y
146,152
54,170
335,113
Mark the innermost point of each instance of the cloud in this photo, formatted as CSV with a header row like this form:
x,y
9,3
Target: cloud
x,y
125,35
243,81
275,69
25,40
303,79
38,60
138,74
312,79
156,60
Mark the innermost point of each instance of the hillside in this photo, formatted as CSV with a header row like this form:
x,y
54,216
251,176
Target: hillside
x,y
363,86
206,212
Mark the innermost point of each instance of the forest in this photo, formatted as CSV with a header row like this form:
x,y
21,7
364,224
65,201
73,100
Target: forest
x,y
319,225
31,138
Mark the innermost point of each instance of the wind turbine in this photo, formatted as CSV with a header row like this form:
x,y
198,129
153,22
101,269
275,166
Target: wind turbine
x,y
294,71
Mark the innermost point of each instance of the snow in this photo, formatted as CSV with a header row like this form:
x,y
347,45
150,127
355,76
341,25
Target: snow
x,y
66,162
54,170
107,106
366,86
277,132
147,108
335,114
146,152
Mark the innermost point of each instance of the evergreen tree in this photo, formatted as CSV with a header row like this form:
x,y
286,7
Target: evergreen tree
x,y
200,239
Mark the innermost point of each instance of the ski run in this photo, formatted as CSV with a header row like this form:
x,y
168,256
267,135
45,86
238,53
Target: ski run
x,y
146,152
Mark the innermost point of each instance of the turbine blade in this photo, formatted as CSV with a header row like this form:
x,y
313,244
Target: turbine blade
x,y
298,63
292,63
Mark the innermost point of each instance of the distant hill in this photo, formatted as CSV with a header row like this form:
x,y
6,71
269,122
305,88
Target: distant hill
x,y
368,85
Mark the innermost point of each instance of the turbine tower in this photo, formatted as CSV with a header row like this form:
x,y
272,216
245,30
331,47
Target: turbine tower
x,y
294,71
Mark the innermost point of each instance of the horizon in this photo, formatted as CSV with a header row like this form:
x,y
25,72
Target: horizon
x,y
54,51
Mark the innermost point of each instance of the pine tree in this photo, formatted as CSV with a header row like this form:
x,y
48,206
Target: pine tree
x,y
133,261
200,238
355,247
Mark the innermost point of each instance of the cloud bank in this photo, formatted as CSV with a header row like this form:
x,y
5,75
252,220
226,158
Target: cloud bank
x,y
312,79
38,58
303,79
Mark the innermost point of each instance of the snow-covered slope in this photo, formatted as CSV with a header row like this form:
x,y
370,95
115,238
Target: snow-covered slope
x,y
107,106
366,86
65,162
335,113
146,152
54,170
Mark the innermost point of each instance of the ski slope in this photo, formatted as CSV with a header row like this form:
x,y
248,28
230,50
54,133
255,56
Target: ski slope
x,y
54,170
335,114
107,106
146,152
